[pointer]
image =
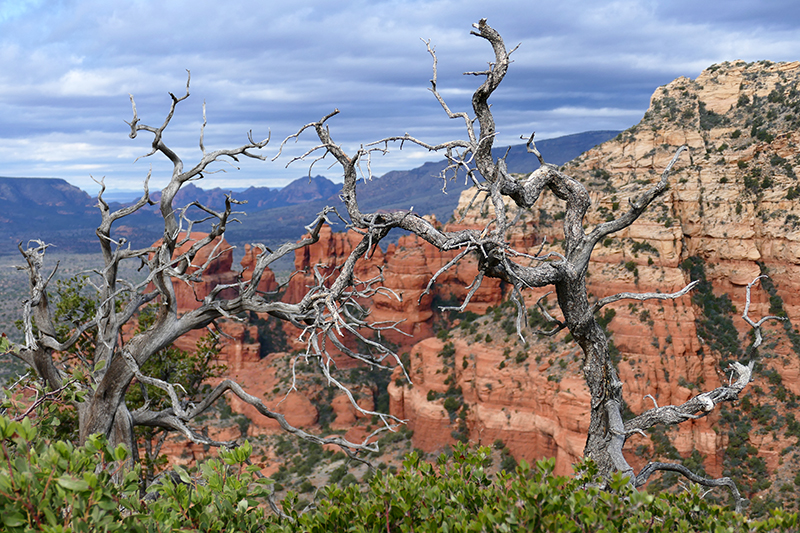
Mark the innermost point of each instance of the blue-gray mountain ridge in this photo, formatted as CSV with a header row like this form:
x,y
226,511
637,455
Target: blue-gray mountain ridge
x,y
61,214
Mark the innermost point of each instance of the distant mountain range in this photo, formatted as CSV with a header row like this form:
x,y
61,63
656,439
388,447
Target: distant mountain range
x,y
55,211
49,209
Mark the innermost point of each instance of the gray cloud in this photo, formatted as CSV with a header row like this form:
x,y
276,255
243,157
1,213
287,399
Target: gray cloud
x,y
67,69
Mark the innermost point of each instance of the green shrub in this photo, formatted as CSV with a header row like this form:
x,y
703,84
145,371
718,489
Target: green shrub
x,y
452,404
61,487
348,480
448,350
710,119
644,247
508,463
457,494
341,471
306,486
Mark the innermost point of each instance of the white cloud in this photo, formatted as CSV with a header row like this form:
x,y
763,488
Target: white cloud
x,y
68,68
573,111
101,82
11,9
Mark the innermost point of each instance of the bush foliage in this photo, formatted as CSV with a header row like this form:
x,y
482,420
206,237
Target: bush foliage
x,y
58,487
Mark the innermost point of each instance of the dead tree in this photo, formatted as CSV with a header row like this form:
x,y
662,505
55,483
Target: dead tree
x,y
322,313
332,307
608,431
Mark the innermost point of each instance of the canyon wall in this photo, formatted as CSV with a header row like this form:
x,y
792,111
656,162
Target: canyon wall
x,y
730,214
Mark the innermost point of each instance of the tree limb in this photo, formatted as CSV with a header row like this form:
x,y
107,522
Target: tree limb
x,y
651,468
643,296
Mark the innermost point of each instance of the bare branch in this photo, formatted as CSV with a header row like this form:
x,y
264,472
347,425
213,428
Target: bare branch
x,y
638,205
442,270
434,89
39,400
473,287
756,325
651,468
350,448
559,325
531,147
643,296
655,403
480,99
297,134
696,407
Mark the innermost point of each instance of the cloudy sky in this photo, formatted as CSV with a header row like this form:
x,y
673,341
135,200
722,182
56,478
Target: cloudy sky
x,y
67,67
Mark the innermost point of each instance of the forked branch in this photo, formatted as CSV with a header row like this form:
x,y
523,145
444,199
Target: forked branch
x,y
756,325
651,468
699,406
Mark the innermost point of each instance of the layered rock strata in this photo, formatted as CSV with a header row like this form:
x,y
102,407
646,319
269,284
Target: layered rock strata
x,y
730,214
732,204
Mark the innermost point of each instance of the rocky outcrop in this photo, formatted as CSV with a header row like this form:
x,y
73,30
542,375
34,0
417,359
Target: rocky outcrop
x,y
730,214
216,262
267,283
517,403
239,343
731,205
406,268
216,259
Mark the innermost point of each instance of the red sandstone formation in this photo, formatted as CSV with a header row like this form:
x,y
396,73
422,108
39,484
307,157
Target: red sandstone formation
x,y
217,259
267,283
720,207
407,266
712,211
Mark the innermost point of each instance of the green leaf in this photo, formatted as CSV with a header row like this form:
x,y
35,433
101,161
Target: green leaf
x,y
120,453
72,483
14,519
99,365
5,344
26,430
183,474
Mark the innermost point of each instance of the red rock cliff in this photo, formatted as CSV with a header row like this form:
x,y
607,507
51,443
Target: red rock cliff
x,y
732,204
732,209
